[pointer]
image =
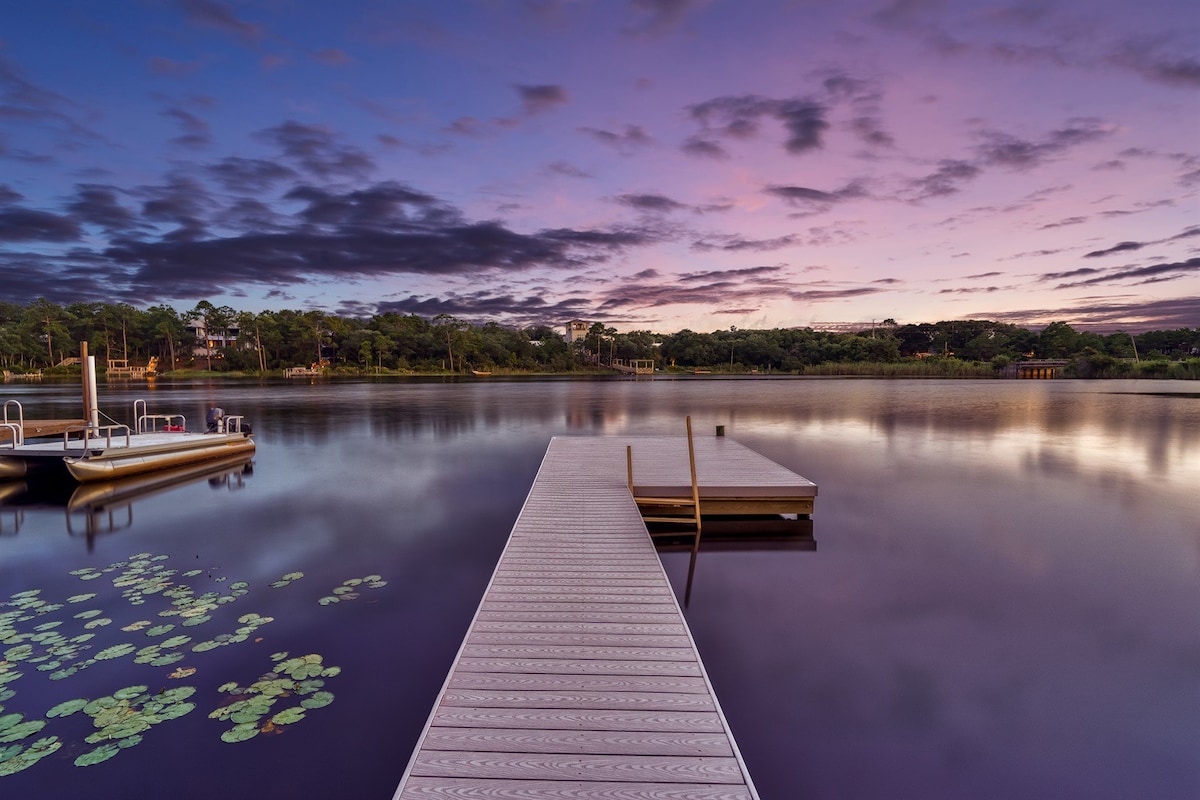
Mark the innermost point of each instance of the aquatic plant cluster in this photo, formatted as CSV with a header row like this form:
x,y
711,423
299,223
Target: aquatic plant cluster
x,y
62,639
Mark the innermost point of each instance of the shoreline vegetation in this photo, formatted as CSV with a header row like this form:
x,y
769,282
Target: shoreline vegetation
x,y
41,339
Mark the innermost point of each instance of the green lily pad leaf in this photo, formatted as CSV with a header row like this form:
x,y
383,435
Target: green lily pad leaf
x,y
130,692
342,590
352,581
175,641
67,708
331,672
240,733
98,623
293,576
376,584
63,673
239,585
18,653
204,647
26,593
116,651
45,626
21,730
278,584
228,687
9,720
176,694
159,630
83,637
372,578
9,751
167,658
244,716
127,727
129,741
191,573
288,716
317,700
280,656
176,710
326,601
192,621
102,753
90,576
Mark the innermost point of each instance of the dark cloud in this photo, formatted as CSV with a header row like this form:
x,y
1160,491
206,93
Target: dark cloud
x,y
481,307
659,16
569,170
195,130
804,197
735,243
382,206
316,149
1154,273
738,117
646,274
1151,59
536,99
95,204
1123,247
1002,149
631,138
23,100
8,195
704,148
727,274
217,16
947,179
29,225
251,175
656,203
1062,223
1072,273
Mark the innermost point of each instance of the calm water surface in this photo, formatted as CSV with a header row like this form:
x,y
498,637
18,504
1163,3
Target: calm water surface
x,y
1004,601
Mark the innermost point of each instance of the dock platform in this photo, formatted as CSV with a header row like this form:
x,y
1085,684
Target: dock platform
x,y
578,677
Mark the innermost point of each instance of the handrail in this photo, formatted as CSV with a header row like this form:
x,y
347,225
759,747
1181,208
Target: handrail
x,y
87,431
19,429
166,418
233,423
18,433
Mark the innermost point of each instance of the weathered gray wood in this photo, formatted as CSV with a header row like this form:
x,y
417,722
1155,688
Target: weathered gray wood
x,y
523,766
576,683
475,789
578,677
580,719
563,666
520,740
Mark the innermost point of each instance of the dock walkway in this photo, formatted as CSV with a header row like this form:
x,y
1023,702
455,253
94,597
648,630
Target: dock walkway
x,y
578,677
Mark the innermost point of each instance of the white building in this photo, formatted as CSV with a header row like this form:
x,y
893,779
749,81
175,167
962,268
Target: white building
x,y
576,329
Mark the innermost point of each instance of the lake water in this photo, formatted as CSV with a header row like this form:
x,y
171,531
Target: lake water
x,y
1004,600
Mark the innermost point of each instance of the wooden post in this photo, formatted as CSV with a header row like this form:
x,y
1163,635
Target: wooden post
x,y
83,371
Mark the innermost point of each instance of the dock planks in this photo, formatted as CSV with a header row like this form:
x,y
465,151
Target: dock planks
x,y
578,677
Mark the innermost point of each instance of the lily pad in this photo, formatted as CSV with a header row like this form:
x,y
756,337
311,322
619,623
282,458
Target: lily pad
x,y
288,716
21,730
240,733
67,708
129,692
317,700
102,753
116,651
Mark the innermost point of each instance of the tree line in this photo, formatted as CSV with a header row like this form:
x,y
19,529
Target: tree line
x,y
42,334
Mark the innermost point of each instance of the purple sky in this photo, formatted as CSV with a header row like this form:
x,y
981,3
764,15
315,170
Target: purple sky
x,y
646,163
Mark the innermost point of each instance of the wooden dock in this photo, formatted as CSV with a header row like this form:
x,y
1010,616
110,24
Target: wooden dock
x,y
578,677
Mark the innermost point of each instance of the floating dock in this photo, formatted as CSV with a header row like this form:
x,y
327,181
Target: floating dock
x,y
578,677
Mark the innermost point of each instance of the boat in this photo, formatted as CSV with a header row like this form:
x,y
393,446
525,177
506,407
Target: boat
x,y
89,451
481,372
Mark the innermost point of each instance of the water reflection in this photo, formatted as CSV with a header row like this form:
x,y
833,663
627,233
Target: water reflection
x,y
1005,602
106,507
